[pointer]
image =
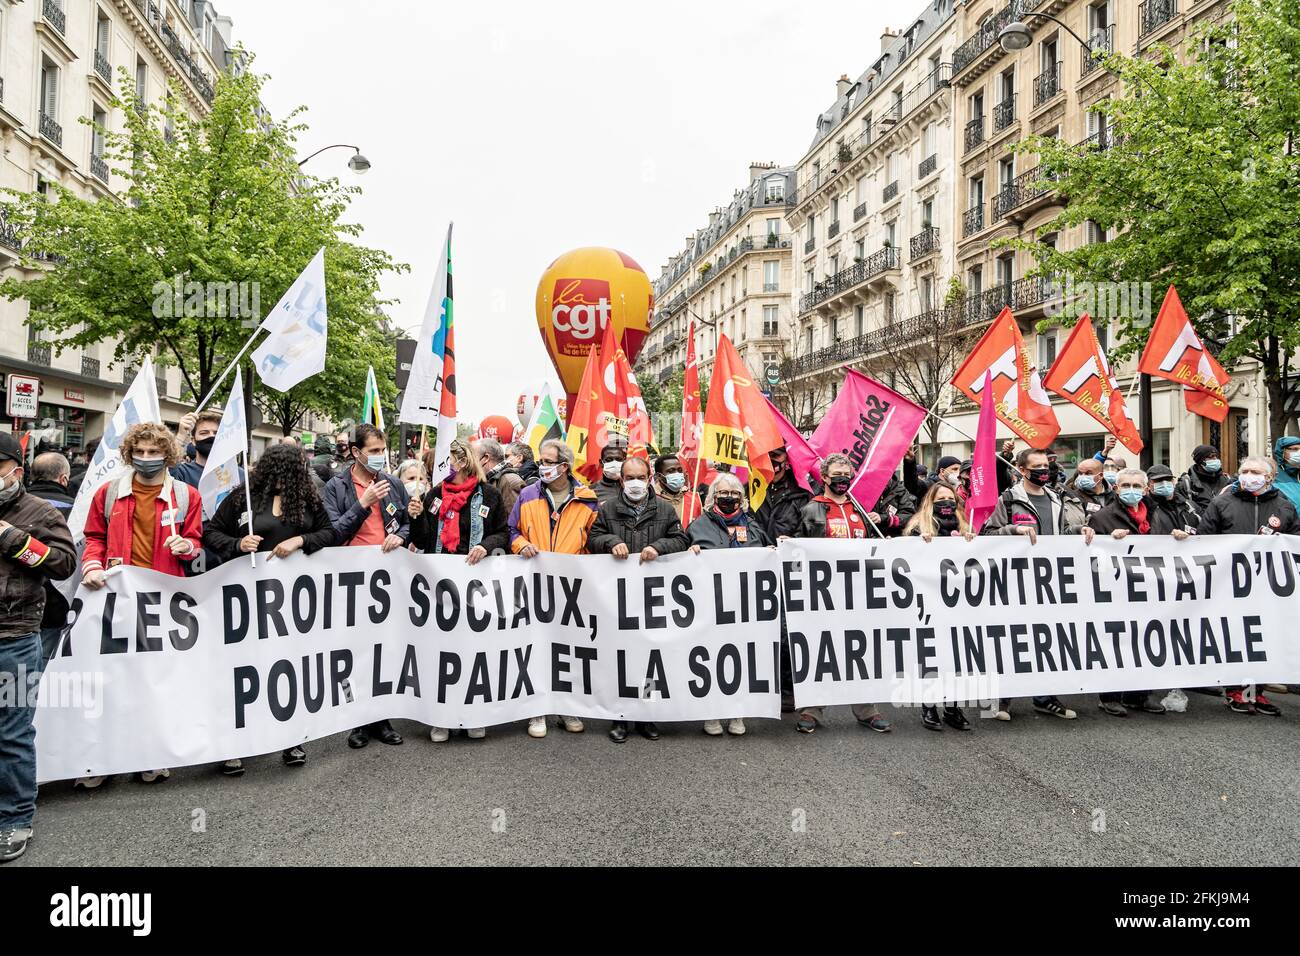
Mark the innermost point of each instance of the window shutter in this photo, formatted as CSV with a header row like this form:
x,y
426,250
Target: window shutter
x,y
50,100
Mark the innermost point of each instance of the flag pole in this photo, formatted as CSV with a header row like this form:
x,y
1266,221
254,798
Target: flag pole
x,y
216,385
248,502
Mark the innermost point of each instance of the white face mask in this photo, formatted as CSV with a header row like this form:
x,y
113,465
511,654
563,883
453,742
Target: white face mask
x,y
414,488
1252,483
613,469
549,473
636,489
9,489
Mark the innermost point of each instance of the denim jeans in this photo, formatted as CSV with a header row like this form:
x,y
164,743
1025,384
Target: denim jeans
x,y
20,657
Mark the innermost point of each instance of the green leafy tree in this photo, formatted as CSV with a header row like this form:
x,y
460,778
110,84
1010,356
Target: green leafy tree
x,y
1201,184
213,202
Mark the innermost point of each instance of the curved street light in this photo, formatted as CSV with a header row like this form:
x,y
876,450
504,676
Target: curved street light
x,y
358,163
1017,34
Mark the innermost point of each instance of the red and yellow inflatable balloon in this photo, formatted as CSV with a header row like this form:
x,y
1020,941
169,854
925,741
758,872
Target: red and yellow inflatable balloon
x,y
582,291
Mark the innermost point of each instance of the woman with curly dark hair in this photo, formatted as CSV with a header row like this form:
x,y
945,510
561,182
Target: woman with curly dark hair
x,y
288,516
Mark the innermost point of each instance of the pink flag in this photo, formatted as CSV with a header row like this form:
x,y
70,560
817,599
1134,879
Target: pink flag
x,y
983,473
874,426
803,459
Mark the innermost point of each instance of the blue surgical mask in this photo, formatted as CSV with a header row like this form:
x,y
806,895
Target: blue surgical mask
x,y
1111,478
1212,465
1163,489
675,482
1131,497
377,463
1085,482
1293,458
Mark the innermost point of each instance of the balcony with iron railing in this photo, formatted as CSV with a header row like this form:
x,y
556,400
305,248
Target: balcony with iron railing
x,y
1099,141
1004,113
51,130
927,166
846,279
1154,14
859,211
771,287
890,191
39,353
54,14
98,167
983,48
1047,84
974,133
809,245
89,366
972,221
103,68
1100,43
925,242
1021,191
832,230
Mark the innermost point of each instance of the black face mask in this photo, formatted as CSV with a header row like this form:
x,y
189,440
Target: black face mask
x,y
727,506
204,446
946,509
1039,476
839,485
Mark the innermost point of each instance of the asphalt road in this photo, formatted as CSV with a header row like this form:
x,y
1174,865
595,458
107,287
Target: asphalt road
x,y
1204,787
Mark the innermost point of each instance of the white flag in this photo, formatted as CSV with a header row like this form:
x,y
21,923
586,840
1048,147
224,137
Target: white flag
x,y
221,473
139,405
422,399
295,349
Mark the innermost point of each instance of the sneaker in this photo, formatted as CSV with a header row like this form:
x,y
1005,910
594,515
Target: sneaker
x,y
232,768
439,735
1175,701
1237,703
954,718
13,843
573,725
1056,709
294,757
154,776
536,727
736,727
88,783
877,723
476,733
713,728
806,724
1114,708
1152,706
930,717
1265,706
1002,713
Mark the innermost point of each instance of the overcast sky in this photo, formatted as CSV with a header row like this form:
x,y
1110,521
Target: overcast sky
x,y
539,127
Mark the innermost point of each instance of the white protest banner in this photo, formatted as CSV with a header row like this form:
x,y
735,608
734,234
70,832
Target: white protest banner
x,y
239,662
139,405
911,622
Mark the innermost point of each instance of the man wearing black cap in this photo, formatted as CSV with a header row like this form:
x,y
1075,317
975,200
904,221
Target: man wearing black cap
x,y
1172,510
1205,479
35,546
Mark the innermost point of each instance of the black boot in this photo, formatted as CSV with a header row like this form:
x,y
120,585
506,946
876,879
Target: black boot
x,y
618,731
358,738
930,717
954,718
648,730
383,732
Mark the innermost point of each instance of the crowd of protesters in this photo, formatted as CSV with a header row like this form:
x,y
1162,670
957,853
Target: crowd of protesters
x,y
501,499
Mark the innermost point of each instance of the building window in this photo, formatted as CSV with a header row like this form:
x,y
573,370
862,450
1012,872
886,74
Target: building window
x,y
774,227
772,276
775,189
927,293
859,320
890,306
975,281
860,250
1095,233
927,214
770,321
50,90
1046,350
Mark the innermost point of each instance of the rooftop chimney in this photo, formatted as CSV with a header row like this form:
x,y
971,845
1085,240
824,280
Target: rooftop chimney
x,y
758,169
842,85
886,37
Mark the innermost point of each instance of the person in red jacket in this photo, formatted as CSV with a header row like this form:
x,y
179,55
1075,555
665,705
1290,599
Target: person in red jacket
x,y
143,518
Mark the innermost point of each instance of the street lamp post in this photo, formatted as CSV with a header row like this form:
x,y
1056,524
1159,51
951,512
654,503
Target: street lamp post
x,y
1015,36
358,163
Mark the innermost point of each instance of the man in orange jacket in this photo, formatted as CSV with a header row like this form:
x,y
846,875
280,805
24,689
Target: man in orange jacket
x,y
554,513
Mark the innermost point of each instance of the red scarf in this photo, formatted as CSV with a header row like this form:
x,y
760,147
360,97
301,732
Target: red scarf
x,y
1140,516
454,498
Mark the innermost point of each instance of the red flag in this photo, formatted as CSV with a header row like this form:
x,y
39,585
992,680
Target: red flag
x,y
587,419
1018,396
1174,351
738,425
1082,375
692,424
632,407
983,497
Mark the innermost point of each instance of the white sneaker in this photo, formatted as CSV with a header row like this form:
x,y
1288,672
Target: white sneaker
x,y
1175,701
536,727
736,727
88,783
439,735
573,725
153,776
478,733
713,727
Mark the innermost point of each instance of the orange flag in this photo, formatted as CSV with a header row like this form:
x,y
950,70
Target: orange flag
x,y
1018,396
692,426
738,424
1082,375
1174,351
632,407
586,419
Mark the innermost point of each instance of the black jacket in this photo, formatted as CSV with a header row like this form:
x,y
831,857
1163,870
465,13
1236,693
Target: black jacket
x,y
54,493
347,515
656,526
1174,513
1114,516
779,514
710,533
223,531
496,530
1200,488
607,490
56,605
1240,512
22,584
895,507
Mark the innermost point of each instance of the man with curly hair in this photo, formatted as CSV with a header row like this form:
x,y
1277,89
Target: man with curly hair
x,y
144,518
